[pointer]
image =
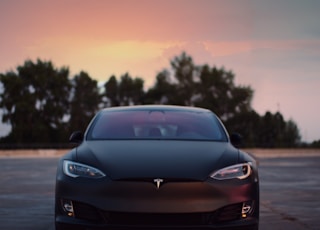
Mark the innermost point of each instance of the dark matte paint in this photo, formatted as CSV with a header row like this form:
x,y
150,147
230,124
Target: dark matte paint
x,y
132,165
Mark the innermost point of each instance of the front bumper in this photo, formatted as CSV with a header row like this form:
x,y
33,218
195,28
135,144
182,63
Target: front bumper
x,y
106,204
65,223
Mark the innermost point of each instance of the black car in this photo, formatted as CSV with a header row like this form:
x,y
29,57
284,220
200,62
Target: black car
x,y
154,167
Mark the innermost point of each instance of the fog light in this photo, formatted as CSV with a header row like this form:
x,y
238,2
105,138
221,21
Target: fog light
x,y
247,208
68,207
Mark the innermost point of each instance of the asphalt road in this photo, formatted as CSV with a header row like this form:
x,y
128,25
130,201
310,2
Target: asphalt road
x,y
290,193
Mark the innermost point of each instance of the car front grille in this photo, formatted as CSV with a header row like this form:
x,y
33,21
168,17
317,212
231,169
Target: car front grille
x,y
87,212
227,213
157,219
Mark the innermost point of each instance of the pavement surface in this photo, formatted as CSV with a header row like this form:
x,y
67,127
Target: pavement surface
x,y
289,190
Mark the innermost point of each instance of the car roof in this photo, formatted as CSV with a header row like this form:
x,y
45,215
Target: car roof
x,y
156,107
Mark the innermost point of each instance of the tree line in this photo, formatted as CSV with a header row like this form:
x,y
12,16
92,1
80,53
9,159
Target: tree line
x,y
43,104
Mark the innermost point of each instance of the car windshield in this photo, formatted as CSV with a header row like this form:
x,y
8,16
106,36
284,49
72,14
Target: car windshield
x,y
169,125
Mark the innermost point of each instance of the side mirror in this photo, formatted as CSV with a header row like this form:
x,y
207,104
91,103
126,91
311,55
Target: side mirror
x,y
236,140
76,137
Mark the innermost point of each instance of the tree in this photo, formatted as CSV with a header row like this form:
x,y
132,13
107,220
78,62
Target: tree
x,y
291,135
216,91
35,102
185,73
201,86
273,131
129,91
315,144
214,88
247,124
112,91
84,102
163,91
43,105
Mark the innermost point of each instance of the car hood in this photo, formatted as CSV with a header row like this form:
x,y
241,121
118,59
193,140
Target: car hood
x,y
143,159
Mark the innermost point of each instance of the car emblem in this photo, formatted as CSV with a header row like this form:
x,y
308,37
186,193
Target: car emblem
x,y
158,182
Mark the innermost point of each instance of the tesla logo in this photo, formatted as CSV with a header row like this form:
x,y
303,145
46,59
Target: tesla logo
x,y
158,182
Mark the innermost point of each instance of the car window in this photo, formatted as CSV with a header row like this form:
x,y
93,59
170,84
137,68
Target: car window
x,y
173,125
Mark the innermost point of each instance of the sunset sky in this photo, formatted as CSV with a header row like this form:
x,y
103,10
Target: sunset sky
x,y
272,46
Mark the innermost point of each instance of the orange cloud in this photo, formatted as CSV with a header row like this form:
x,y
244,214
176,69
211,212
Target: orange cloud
x,y
130,49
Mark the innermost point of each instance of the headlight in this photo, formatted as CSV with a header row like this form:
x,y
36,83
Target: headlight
x,y
74,169
240,171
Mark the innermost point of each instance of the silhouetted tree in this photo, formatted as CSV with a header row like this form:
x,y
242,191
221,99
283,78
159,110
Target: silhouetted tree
x,y
35,102
274,131
217,92
201,86
128,91
247,124
85,101
291,137
163,90
315,144
185,74
112,91
214,88
43,105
